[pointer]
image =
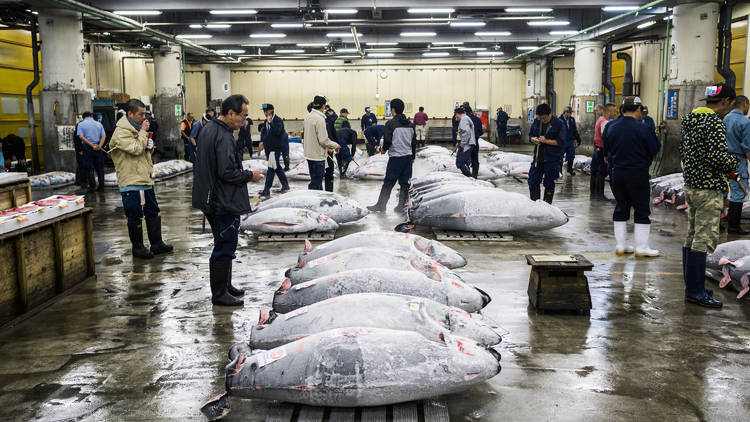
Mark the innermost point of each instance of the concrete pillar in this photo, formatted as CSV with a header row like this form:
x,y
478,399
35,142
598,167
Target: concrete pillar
x,y
168,101
587,88
221,86
691,68
536,92
63,95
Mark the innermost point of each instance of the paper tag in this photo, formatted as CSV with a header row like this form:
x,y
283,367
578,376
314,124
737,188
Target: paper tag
x,y
298,312
414,306
271,356
304,285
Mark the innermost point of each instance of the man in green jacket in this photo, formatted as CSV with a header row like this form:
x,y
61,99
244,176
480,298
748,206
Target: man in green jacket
x,y
130,149
343,120
707,165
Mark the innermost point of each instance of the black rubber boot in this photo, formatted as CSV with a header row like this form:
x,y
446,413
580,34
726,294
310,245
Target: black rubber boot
x,y
135,231
286,163
218,275
403,195
284,189
264,194
153,227
475,171
234,291
465,170
329,185
385,195
734,217
548,196
695,281
535,193
570,168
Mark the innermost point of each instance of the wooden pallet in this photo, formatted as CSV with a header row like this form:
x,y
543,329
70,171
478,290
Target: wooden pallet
x,y
454,235
297,237
432,410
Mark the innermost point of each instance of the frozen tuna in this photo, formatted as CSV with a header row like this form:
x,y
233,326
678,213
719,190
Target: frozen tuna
x,y
487,210
730,251
340,208
379,280
736,272
371,258
374,310
360,367
288,220
390,240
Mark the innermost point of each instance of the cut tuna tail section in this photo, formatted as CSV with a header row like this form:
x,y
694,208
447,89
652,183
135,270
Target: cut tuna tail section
x,y
285,285
267,316
724,261
745,286
726,279
308,246
217,408
238,349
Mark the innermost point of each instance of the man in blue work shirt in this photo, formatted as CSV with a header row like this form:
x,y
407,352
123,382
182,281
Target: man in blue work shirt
x,y
373,135
92,134
631,147
547,133
738,141
573,139
368,119
647,120
502,126
195,131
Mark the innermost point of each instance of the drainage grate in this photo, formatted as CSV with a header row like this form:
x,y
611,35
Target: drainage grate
x,y
433,410
455,235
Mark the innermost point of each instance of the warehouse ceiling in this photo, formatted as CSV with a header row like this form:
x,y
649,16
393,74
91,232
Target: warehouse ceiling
x,y
253,30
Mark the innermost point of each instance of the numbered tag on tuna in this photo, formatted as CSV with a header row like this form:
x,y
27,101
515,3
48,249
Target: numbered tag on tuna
x,y
271,356
298,312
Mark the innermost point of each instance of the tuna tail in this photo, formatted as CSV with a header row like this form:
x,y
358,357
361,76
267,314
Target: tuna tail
x,y
485,297
745,286
238,349
267,316
727,278
285,285
217,408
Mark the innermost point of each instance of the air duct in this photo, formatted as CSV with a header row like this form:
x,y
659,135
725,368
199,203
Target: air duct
x,y
724,51
551,94
607,77
627,80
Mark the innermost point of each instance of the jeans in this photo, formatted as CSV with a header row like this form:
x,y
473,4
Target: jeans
x,y
226,229
190,152
570,150
632,190
279,171
317,171
93,162
735,193
398,169
134,209
544,173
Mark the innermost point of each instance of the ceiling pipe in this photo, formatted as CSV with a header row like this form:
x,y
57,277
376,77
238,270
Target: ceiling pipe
x,y
30,95
356,41
607,77
589,29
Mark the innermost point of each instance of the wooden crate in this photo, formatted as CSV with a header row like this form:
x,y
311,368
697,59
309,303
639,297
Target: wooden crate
x,y
39,262
559,286
432,410
14,193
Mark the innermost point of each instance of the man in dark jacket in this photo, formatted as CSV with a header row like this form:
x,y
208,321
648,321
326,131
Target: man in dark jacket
x,y
245,137
547,133
706,162
344,137
220,191
478,132
14,148
272,135
400,140
502,125
373,135
573,139
631,147
368,119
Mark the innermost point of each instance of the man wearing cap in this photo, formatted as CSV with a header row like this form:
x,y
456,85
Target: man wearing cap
x,y
647,120
196,130
738,142
631,146
547,133
317,143
272,135
368,119
502,126
420,125
573,138
706,163
343,120
400,140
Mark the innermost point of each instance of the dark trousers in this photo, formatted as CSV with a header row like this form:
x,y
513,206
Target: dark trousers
x,y
502,134
544,174
190,152
226,230
278,171
81,174
598,169
93,162
570,150
475,159
398,170
631,189
317,172
136,208
329,174
464,157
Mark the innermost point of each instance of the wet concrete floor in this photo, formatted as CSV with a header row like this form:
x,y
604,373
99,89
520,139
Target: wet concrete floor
x,y
143,342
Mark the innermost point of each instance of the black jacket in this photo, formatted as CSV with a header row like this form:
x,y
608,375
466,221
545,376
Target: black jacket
x,y
272,134
400,138
219,181
629,144
14,146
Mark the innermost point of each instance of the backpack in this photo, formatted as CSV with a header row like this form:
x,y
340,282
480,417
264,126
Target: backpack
x,y
478,130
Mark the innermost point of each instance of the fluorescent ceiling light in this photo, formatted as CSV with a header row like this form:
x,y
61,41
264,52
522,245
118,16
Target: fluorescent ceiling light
x,y
444,47
234,12
492,34
211,26
194,36
382,43
267,35
341,11
256,45
489,53
666,18
230,51
459,24
447,43
436,54
619,8
429,11
347,57
418,34
563,32
528,10
137,12
287,25
341,35
472,48
347,50
646,25
548,23
289,51
380,54
313,44
526,47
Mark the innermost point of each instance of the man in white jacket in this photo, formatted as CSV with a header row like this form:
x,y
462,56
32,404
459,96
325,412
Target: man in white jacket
x,y
317,143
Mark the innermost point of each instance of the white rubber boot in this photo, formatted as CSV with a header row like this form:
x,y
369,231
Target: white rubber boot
x,y
621,234
642,250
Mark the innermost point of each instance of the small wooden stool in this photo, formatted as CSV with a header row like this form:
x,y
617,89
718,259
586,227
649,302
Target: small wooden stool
x,y
557,283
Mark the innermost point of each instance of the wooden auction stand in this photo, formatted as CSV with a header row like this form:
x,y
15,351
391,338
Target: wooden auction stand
x,y
14,190
558,283
39,262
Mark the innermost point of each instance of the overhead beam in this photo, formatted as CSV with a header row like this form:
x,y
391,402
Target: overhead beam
x,y
335,4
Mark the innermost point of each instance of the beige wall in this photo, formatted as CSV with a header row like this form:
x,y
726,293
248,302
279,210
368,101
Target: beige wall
x,y
563,82
648,67
104,72
195,92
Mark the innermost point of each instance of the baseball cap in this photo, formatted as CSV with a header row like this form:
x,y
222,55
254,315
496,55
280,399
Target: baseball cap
x,y
267,107
343,110
644,108
459,110
718,92
632,101
367,109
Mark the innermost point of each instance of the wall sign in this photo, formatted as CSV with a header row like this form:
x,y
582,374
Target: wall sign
x,y
673,102
178,110
589,106
66,135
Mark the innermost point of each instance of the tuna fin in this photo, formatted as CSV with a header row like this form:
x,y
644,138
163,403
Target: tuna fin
x,y
745,286
217,408
285,285
726,279
724,261
287,272
300,265
485,297
308,246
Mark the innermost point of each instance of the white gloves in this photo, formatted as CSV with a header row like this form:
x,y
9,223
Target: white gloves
x,y
150,144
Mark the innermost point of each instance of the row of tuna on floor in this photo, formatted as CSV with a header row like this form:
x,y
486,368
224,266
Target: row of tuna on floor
x,y
403,327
